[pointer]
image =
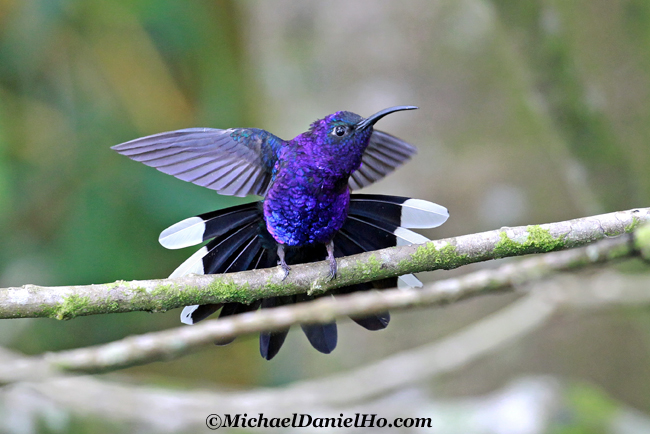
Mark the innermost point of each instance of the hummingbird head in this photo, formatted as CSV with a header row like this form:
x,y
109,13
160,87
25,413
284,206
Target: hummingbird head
x,y
341,138
347,128
344,126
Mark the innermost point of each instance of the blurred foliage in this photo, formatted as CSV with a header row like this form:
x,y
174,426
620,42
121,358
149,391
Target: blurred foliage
x,y
547,37
76,78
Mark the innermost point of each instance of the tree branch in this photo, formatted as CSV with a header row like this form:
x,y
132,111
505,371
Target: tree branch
x,y
67,302
173,343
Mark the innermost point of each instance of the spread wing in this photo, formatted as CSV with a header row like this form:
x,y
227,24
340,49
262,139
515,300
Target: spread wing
x,y
383,154
236,162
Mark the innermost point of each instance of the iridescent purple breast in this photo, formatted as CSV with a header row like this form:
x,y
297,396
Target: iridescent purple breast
x,y
301,208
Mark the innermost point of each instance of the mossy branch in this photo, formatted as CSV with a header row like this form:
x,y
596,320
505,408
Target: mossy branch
x,y
173,343
65,302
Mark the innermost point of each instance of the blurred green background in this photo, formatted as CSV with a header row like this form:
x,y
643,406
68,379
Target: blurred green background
x,y
530,112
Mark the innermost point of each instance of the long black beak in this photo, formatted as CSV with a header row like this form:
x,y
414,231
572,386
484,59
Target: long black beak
x,y
370,121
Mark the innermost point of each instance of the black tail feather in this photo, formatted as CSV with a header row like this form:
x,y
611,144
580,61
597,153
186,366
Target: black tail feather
x,y
223,251
219,222
230,309
322,337
271,342
373,322
377,207
195,230
204,311
244,257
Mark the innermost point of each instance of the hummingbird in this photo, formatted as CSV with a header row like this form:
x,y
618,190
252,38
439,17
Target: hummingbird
x,y
307,212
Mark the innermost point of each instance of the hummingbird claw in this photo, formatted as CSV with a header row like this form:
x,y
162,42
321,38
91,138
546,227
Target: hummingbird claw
x,y
332,260
286,269
282,263
333,268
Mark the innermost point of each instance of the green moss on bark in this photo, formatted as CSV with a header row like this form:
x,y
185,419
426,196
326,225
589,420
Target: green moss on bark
x,y
538,241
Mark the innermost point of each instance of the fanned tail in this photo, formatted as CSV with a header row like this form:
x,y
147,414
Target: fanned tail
x,y
239,241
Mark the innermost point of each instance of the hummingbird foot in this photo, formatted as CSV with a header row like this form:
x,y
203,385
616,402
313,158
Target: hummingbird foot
x,y
331,259
281,262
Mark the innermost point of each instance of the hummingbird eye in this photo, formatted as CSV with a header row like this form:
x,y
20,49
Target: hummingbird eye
x,y
339,131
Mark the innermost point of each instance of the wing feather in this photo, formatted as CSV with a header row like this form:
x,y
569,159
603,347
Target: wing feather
x,y
237,161
383,155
